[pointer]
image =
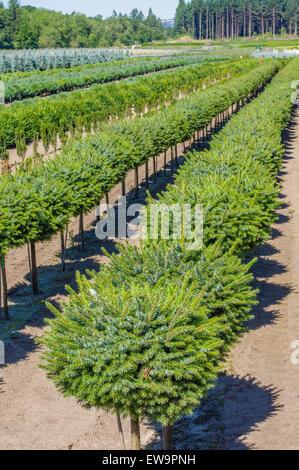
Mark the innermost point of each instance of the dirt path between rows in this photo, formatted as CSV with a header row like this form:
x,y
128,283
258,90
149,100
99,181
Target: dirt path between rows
x,y
255,402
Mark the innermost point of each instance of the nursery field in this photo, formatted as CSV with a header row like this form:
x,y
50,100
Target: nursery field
x,y
162,344
86,110
21,85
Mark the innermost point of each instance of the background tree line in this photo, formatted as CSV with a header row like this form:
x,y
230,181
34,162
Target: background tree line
x,y
229,19
27,27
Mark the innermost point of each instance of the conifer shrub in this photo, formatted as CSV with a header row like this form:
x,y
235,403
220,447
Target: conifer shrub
x,y
138,350
145,337
239,200
220,278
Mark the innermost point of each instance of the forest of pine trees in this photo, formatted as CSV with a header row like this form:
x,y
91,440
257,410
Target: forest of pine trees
x,y
27,27
231,19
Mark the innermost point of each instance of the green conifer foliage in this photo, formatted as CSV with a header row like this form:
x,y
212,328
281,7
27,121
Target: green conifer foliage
x,y
142,351
221,279
145,336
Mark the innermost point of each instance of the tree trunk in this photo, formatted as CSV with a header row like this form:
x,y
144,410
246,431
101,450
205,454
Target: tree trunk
x,y
146,175
3,281
33,269
176,155
193,25
121,432
227,23
165,163
207,22
274,21
155,169
136,183
167,437
135,434
200,25
171,155
62,250
81,243
63,241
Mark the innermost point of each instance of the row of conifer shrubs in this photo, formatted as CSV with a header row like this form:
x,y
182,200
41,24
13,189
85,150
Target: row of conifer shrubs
x,y
145,336
41,199
86,110
19,86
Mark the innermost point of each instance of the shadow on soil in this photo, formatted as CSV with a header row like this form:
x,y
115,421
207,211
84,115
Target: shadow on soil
x,y
1,382
231,410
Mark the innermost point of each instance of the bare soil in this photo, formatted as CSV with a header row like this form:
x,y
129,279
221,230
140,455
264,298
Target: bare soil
x,y
254,403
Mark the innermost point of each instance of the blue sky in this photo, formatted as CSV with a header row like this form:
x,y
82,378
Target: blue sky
x,y
163,8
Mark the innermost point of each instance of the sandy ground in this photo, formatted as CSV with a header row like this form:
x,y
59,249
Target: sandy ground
x,y
254,403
